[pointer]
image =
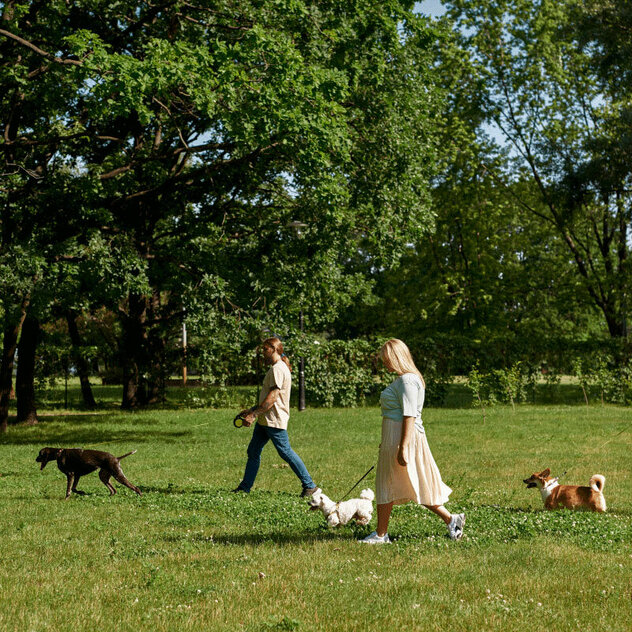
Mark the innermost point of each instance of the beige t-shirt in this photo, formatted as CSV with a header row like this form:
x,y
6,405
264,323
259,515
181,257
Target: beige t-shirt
x,y
278,416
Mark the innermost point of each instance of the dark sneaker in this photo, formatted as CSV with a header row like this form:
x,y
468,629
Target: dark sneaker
x,y
308,491
238,490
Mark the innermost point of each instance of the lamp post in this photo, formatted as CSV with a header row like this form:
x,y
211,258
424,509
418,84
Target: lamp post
x,y
301,371
297,226
184,353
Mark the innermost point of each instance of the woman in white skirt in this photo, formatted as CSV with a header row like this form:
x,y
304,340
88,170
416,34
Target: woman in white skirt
x,y
406,470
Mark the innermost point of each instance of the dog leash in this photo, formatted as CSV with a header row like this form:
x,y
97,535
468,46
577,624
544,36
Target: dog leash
x,y
368,472
599,448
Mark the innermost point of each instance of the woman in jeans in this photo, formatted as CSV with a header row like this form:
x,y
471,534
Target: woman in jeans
x,y
272,415
406,470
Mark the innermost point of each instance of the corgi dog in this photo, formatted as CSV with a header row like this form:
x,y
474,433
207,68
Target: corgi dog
x,y
556,496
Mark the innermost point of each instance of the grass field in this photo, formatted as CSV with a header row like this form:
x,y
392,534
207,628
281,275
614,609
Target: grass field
x,y
189,555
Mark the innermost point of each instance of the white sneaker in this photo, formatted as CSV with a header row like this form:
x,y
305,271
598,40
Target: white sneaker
x,y
455,528
374,538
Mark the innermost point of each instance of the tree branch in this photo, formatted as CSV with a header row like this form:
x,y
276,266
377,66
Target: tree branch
x,y
39,51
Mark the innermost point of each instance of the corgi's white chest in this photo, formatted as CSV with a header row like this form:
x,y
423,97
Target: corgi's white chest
x,y
548,488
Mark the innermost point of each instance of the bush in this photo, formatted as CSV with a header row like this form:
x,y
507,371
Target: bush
x,y
341,372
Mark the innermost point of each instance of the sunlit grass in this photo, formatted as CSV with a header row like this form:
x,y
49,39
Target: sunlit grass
x,y
189,555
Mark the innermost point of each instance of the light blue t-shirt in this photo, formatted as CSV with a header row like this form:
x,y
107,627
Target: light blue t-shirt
x,y
404,398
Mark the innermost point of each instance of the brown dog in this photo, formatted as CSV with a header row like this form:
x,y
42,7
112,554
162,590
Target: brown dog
x,y
556,496
75,463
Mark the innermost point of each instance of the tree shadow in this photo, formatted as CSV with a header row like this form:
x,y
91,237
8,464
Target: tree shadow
x,y
66,431
171,489
95,494
282,539
506,509
542,510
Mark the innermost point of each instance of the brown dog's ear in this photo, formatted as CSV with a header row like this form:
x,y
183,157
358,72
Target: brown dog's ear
x,y
545,473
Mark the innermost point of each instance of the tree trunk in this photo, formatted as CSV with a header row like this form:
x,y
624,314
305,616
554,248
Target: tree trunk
x,y
132,388
134,352
156,350
80,361
9,345
617,326
25,378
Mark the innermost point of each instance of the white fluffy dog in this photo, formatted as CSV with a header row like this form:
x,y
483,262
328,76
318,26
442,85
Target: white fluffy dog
x,y
360,509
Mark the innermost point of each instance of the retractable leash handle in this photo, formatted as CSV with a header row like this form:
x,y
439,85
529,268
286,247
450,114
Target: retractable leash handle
x,y
238,422
240,418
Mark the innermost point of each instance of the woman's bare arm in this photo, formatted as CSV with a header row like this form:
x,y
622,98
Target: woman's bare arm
x,y
408,427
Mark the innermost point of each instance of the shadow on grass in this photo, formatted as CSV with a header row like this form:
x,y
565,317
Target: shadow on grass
x,y
171,489
283,539
505,509
542,510
86,497
88,432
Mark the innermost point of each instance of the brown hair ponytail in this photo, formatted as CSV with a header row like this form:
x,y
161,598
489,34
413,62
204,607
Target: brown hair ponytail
x,y
277,345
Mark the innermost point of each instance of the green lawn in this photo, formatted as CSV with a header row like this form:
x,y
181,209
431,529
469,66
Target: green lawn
x,y
189,555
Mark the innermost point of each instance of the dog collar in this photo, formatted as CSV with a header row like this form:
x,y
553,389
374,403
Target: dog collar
x,y
334,510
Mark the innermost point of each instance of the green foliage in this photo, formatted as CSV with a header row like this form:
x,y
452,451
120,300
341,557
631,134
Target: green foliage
x,y
341,372
549,95
178,149
476,382
510,385
584,379
606,375
612,382
510,381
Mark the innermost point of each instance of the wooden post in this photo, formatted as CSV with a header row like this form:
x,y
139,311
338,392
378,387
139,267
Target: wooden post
x,y
184,353
301,372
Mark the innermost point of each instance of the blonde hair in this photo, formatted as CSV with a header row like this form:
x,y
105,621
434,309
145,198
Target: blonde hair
x,y
396,355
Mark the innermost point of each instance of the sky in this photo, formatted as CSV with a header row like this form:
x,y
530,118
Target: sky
x,y
433,8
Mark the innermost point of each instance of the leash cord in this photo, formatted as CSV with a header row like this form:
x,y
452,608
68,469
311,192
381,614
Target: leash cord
x,y
368,472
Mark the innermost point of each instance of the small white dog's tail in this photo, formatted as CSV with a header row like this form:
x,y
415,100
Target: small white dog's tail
x,y
597,482
367,494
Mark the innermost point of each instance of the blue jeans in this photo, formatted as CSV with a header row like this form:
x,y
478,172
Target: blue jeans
x,y
281,442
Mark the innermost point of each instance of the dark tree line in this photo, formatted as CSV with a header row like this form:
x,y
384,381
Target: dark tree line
x,y
231,164
157,159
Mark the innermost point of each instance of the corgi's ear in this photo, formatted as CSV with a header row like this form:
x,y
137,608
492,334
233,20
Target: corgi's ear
x,y
545,473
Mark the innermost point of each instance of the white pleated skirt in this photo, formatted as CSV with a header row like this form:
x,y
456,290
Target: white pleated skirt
x,y
419,481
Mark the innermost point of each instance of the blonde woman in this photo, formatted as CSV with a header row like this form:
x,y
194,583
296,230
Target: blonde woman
x,y
406,470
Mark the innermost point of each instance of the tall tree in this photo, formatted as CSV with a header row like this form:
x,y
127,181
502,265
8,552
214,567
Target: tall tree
x,y
545,95
36,124
199,136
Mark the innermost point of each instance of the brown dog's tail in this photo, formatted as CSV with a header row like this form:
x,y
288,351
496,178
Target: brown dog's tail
x,y
134,452
597,482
